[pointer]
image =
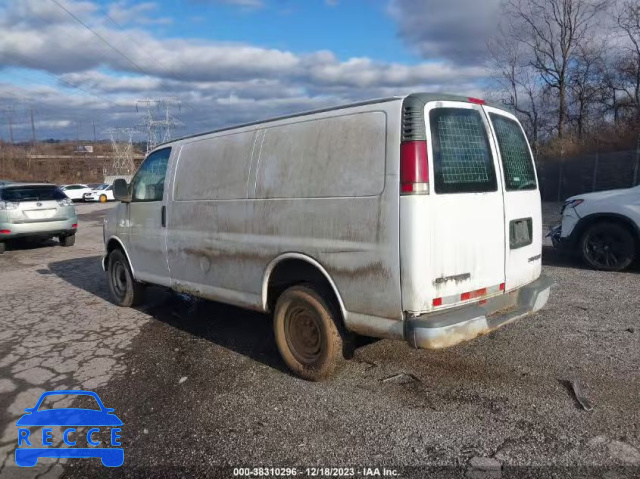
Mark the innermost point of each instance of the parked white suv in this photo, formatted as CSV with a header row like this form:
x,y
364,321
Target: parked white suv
x,y
603,227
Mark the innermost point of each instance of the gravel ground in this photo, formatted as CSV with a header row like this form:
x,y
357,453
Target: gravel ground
x,y
199,385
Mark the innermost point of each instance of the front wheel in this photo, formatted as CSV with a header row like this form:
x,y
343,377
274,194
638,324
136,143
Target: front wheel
x,y
608,247
125,290
307,333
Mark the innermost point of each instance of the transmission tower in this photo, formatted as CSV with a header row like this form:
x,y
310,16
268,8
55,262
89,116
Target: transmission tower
x,y
157,121
122,145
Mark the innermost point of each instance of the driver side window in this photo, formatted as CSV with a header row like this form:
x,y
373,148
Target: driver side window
x,y
148,184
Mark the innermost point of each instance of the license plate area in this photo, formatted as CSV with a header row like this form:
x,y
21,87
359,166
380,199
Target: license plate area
x,y
520,233
40,214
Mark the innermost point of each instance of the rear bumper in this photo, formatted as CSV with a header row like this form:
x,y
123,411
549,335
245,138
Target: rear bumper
x,y
449,328
44,228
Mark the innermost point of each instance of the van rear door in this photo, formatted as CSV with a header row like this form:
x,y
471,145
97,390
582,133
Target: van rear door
x,y
522,208
464,210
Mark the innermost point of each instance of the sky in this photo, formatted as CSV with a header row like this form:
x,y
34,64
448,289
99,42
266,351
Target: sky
x,y
81,65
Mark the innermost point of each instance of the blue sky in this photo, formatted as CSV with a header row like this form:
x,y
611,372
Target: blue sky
x,y
350,28
75,62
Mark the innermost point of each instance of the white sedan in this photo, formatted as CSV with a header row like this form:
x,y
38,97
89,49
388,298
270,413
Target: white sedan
x,y
102,193
75,192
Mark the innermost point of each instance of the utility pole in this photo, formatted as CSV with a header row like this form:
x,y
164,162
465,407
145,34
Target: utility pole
x,y
635,169
33,128
10,119
94,131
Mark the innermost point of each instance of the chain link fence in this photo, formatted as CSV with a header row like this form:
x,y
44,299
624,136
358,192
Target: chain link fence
x,y
561,178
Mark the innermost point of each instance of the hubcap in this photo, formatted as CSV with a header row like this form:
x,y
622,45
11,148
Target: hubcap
x,y
605,249
119,279
302,328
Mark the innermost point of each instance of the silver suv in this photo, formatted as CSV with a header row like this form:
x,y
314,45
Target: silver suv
x,y
36,210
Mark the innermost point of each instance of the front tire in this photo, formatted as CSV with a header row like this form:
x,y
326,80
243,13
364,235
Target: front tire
x,y
307,333
125,290
608,246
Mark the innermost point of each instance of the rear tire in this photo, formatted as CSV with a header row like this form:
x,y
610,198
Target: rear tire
x,y
307,333
125,291
608,246
67,241
3,247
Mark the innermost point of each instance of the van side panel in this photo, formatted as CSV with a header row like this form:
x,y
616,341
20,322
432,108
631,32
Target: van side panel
x,y
327,187
323,185
208,219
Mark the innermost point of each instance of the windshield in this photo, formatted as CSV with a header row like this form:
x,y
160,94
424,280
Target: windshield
x,y
102,187
79,401
17,194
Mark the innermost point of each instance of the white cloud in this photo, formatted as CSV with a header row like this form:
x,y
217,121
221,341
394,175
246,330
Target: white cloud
x,y
219,83
122,13
455,30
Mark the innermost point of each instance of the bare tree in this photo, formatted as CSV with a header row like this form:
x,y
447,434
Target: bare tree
x,y
552,30
628,20
585,81
515,82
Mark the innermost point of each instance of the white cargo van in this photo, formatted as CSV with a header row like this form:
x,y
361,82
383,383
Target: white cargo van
x,y
414,218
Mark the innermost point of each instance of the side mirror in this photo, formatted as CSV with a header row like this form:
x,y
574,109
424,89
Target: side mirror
x,y
121,191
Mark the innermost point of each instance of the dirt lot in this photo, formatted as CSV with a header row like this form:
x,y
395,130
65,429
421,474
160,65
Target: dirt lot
x,y
200,385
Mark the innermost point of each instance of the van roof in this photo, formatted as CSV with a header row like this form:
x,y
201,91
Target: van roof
x,y
420,97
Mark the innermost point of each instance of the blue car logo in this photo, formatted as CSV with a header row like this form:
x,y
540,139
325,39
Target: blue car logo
x,y
66,418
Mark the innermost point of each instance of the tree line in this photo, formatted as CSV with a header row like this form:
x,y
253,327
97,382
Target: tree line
x,y
570,69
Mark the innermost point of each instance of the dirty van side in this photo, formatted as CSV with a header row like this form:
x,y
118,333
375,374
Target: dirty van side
x,y
331,222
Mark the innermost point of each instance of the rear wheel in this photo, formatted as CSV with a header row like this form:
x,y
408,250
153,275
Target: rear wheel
x,y
67,240
3,247
307,333
125,290
608,246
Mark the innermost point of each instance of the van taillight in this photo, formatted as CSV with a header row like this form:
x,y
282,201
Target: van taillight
x,y
414,168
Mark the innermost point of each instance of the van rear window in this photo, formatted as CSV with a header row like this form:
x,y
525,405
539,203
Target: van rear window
x,y
462,156
516,158
31,193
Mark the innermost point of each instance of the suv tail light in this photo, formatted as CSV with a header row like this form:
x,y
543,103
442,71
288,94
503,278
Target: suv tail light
x,y
65,202
414,168
8,205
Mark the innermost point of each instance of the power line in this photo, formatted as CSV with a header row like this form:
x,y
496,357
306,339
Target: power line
x,y
110,18
100,37
106,42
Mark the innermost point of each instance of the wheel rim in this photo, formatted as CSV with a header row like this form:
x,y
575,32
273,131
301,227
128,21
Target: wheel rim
x,y
605,249
119,279
303,333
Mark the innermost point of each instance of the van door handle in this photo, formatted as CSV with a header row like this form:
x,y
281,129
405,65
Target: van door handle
x,y
163,214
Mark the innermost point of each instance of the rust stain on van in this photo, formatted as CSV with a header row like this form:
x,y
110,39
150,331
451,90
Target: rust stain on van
x,y
220,254
372,269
